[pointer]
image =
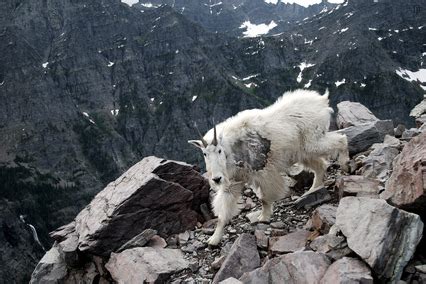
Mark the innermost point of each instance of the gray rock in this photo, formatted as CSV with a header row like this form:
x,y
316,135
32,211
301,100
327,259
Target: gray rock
x,y
230,280
154,193
146,264
290,243
139,240
242,257
406,187
399,129
69,249
252,216
205,211
410,133
378,164
347,270
382,235
51,268
261,239
358,186
334,247
183,238
311,199
421,120
294,268
362,136
324,217
353,113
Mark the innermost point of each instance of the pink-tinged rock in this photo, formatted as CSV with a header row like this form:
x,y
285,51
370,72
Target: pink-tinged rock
x,y
378,164
324,217
157,242
385,237
347,270
159,194
290,243
306,267
406,188
242,257
353,113
358,186
146,264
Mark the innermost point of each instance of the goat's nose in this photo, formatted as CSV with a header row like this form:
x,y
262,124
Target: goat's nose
x,y
217,179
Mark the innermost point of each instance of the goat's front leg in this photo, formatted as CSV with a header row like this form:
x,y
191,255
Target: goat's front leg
x,y
225,207
267,210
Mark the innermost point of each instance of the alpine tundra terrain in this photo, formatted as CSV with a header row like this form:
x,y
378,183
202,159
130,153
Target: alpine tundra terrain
x,y
89,88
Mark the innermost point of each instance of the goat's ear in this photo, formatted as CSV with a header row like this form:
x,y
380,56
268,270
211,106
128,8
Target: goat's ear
x,y
196,143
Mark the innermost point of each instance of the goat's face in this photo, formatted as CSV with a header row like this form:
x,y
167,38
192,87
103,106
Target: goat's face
x,y
215,157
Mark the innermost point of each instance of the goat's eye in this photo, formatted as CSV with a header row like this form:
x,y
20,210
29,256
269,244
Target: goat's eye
x,y
205,155
220,151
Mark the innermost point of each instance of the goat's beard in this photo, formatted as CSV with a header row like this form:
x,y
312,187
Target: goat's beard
x,y
224,185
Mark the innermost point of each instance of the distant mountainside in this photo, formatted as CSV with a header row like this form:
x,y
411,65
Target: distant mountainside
x,y
229,16
87,88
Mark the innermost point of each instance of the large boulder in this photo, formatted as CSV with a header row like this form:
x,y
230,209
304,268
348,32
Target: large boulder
x,y
324,217
362,136
382,235
146,264
291,242
406,187
242,257
155,193
347,270
353,113
294,268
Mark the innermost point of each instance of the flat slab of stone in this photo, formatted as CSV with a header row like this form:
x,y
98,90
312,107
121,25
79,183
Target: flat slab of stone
x,y
139,240
382,235
406,187
358,186
313,198
242,257
362,136
294,268
347,270
353,113
146,264
290,243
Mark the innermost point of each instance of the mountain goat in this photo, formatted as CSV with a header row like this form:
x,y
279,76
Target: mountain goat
x,y
256,147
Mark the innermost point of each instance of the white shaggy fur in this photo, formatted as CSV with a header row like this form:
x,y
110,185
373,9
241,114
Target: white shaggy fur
x,y
297,126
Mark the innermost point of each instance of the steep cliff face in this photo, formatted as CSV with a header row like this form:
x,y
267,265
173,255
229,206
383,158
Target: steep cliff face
x,y
89,88
229,16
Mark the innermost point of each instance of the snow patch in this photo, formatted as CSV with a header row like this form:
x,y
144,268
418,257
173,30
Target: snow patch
x,y
129,2
302,67
308,85
372,29
343,30
338,83
250,76
418,76
254,30
110,64
114,112
45,64
194,98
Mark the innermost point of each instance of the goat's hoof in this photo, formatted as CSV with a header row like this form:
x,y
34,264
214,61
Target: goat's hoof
x,y
213,241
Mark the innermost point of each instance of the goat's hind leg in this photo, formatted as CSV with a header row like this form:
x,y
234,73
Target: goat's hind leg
x,y
319,167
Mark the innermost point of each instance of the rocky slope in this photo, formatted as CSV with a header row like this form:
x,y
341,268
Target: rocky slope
x,y
229,17
343,232
88,89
